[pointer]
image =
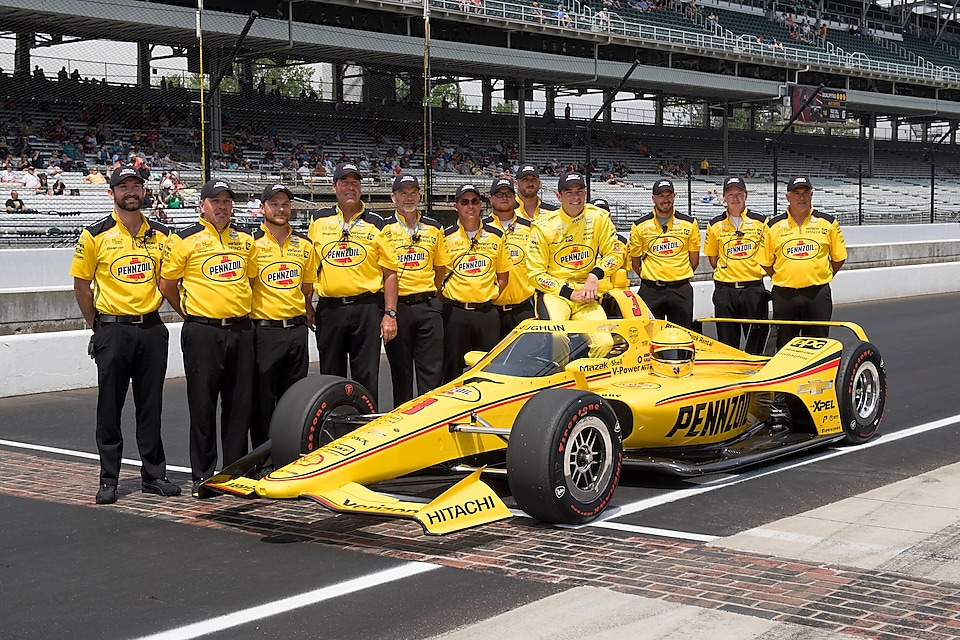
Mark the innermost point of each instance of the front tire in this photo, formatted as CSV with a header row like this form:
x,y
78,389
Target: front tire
x,y
861,391
301,423
564,456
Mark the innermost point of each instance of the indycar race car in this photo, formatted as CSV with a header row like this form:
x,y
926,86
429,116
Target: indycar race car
x,y
561,408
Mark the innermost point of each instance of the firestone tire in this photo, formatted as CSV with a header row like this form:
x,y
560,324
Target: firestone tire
x,y
861,391
300,423
564,456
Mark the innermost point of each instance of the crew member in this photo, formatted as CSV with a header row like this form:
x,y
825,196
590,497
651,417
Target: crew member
x,y
354,309
528,183
515,303
409,248
477,270
804,249
665,251
569,253
281,305
734,246
206,277
120,256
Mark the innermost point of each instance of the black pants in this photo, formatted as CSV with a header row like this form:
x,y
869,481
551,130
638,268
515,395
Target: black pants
x,y
467,330
751,301
125,353
808,303
510,318
351,330
418,348
282,359
219,362
671,302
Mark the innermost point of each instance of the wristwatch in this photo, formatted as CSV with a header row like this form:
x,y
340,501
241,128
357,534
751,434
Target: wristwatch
x,y
390,312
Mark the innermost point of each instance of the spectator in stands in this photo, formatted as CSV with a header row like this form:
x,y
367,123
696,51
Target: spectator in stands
x,y
713,21
29,179
58,188
94,177
8,174
253,204
62,75
42,187
603,19
537,13
15,204
705,167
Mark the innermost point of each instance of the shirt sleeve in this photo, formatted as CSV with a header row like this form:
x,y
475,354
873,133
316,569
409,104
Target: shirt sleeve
x,y
838,247
693,241
711,246
387,256
84,265
635,248
174,258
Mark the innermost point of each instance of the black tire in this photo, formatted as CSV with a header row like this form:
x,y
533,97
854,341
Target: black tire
x,y
300,422
861,391
564,456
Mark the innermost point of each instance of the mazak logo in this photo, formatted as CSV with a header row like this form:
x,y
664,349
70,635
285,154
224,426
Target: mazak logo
x,y
281,275
473,265
224,268
575,256
740,249
801,249
667,247
412,259
133,269
344,254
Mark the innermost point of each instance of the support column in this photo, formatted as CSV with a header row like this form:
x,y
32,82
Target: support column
x,y
608,112
338,71
871,143
21,55
522,122
925,132
726,138
550,111
894,128
143,65
658,109
487,88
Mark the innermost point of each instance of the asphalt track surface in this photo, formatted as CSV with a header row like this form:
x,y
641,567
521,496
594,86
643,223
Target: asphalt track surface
x,y
234,568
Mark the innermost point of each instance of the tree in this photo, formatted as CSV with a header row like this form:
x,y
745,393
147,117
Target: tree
x,y
290,78
451,92
507,107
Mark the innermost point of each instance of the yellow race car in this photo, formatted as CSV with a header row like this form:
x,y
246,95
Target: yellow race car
x,y
561,408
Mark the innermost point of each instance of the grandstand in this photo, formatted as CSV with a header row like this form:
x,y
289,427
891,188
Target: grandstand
x,y
905,75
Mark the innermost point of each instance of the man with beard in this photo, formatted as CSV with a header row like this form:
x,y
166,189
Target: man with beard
x,y
515,303
528,183
281,305
120,257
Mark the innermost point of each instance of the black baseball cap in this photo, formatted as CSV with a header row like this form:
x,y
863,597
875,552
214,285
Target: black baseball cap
x,y
344,169
500,183
464,188
404,180
570,178
600,202
123,172
734,182
662,185
799,181
215,187
273,189
528,170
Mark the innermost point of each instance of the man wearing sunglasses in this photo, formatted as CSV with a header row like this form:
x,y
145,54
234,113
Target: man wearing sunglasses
x,y
733,246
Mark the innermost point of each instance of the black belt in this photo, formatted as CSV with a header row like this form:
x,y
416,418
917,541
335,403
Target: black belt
x,y
812,286
346,299
416,298
511,307
104,318
661,284
286,323
470,306
739,285
217,322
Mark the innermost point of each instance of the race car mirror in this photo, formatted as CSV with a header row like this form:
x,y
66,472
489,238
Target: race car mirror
x,y
471,358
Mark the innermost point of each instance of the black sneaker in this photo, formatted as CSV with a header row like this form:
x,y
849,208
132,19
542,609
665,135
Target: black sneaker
x,y
161,487
107,494
200,491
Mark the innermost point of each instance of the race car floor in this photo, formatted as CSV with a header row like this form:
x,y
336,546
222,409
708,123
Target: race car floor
x,y
880,565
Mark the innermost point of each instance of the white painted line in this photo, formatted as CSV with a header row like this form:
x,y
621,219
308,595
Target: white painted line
x,y
80,454
651,531
245,616
682,494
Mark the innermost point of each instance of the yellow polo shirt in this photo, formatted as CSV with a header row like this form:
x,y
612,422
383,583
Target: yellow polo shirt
x,y
665,252
738,251
347,253
412,253
281,269
214,268
515,235
123,267
801,253
473,265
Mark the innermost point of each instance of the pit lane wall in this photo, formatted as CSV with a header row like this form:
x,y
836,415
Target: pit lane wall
x,y
57,360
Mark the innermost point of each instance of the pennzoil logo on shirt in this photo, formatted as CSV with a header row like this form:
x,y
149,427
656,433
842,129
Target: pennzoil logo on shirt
x,y
740,249
133,269
473,265
344,254
413,258
516,253
281,275
800,249
224,267
574,256
666,246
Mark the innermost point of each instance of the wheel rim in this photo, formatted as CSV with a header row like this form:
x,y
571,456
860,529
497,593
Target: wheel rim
x,y
587,463
866,391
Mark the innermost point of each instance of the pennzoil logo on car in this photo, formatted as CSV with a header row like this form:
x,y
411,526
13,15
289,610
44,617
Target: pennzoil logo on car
x,y
467,394
281,275
224,267
133,269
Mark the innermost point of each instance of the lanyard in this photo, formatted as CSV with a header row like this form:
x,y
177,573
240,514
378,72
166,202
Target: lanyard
x,y
414,233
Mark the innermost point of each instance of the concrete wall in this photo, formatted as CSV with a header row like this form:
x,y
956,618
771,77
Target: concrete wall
x,y
37,363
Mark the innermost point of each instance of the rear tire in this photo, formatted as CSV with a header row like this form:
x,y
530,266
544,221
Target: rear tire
x,y
564,456
300,423
861,391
